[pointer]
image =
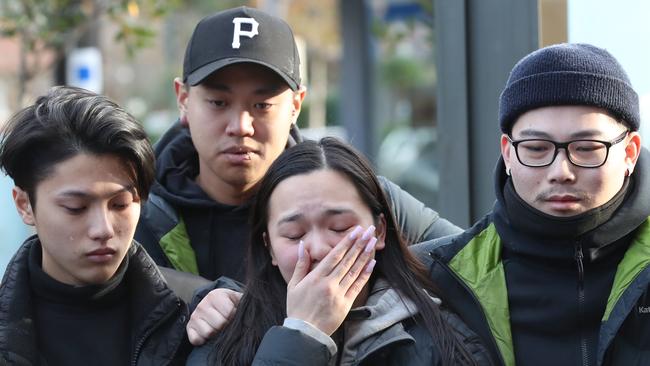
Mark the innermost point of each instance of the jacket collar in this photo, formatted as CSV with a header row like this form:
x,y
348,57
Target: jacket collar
x,y
17,331
377,323
598,242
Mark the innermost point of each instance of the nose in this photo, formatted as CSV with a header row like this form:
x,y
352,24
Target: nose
x,y
240,124
561,170
319,245
100,225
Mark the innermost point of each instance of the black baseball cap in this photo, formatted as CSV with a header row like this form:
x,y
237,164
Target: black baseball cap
x,y
241,35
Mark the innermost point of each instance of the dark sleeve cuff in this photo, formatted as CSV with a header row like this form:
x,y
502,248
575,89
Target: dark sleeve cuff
x,y
284,346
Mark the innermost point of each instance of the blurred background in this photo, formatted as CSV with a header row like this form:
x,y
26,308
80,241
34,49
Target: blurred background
x,y
414,84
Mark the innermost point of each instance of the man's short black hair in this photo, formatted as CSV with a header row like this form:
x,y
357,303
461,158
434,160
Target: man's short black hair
x,y
68,121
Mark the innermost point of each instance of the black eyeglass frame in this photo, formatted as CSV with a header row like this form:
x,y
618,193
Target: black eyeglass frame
x,y
565,146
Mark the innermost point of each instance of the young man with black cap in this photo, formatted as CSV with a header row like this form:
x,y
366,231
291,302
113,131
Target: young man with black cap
x,y
239,100
558,273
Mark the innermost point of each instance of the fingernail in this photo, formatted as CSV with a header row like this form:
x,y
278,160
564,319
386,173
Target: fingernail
x,y
301,250
355,232
371,265
369,231
371,245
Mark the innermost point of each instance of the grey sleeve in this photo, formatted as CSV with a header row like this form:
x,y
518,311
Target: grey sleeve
x,y
418,222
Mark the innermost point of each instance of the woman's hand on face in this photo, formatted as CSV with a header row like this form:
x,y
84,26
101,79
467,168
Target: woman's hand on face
x,y
324,296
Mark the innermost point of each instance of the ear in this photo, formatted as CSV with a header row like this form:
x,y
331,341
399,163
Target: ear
x,y
182,92
632,150
380,233
23,206
298,98
265,238
506,150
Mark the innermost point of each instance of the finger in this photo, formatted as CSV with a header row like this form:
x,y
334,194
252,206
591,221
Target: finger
x,y
360,282
335,256
208,323
194,337
302,266
198,331
359,265
351,257
234,296
215,318
223,300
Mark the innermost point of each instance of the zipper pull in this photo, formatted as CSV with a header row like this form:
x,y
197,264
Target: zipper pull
x,y
579,256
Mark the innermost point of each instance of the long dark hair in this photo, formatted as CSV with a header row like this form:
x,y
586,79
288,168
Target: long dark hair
x,y
263,304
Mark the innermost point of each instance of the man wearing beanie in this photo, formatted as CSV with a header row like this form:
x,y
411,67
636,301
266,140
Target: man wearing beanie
x,y
557,273
239,100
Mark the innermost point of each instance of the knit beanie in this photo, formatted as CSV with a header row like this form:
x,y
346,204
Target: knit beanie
x,y
568,74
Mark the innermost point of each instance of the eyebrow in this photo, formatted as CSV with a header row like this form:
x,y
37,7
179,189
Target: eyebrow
x,y
270,89
329,212
73,193
576,135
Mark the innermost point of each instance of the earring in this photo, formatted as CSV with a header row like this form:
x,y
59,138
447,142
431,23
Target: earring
x,y
508,171
183,120
628,171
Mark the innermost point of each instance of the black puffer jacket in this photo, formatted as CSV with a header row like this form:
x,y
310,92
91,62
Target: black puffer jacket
x,y
159,315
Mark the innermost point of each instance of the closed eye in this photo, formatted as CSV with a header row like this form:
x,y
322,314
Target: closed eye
x,y
340,230
121,206
589,147
217,103
533,148
74,210
263,105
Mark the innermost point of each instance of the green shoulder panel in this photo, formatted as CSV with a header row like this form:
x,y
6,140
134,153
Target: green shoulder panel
x,y
479,265
636,259
177,248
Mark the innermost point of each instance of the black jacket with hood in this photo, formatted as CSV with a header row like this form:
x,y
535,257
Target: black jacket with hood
x,y
541,290
182,227
157,315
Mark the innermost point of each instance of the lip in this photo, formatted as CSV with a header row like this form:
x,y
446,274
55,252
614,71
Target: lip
x,y
101,255
238,149
563,204
563,198
239,154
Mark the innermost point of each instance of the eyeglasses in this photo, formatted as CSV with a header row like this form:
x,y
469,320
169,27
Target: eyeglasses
x,y
537,153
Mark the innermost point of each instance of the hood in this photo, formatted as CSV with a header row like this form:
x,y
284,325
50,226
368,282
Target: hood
x,y
384,309
177,165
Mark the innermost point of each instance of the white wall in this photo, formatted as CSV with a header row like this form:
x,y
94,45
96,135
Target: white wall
x,y
623,28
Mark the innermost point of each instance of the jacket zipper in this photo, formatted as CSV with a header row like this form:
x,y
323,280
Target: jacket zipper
x,y
140,344
493,342
581,302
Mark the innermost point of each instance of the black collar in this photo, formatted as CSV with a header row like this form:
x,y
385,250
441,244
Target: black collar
x,y
602,230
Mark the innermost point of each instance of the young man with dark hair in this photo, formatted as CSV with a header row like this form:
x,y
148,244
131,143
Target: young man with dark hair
x,y
81,291
559,272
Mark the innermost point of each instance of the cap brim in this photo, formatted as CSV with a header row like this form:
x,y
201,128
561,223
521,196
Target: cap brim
x,y
196,77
